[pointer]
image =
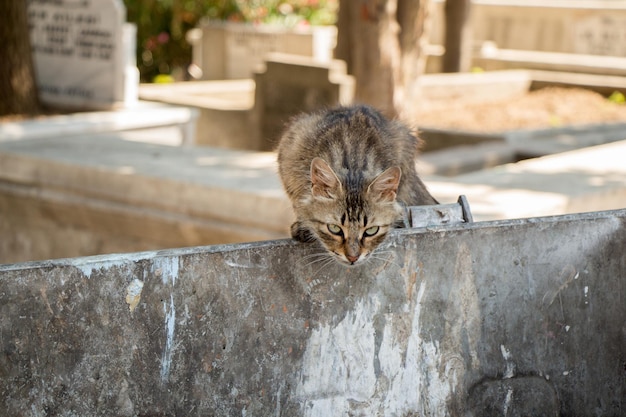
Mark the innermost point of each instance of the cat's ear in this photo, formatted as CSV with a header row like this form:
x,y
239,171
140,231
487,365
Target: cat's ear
x,y
324,181
385,186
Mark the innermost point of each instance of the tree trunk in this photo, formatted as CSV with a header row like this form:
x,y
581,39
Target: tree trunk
x,y
458,49
380,41
414,19
18,91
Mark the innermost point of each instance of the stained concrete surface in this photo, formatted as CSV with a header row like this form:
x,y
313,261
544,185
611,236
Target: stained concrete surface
x,y
517,317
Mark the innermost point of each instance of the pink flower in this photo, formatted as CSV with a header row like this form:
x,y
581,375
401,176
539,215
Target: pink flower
x,y
163,37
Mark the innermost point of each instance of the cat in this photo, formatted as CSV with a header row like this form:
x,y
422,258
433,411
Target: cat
x,y
348,171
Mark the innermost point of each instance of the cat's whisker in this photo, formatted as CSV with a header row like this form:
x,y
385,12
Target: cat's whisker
x,y
384,257
315,263
314,258
383,254
314,255
383,251
312,264
324,265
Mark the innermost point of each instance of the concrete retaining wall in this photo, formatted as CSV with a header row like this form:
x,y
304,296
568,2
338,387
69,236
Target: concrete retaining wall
x,y
507,318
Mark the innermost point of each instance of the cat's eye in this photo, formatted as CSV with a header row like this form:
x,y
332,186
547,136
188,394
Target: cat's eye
x,y
335,230
371,231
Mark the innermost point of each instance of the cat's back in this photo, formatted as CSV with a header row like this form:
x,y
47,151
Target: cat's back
x,y
357,142
352,138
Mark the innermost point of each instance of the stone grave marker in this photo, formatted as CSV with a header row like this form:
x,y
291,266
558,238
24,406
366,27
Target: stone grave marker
x,y
601,35
83,53
290,84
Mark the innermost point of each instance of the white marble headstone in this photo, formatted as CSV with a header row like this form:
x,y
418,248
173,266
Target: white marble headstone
x,y
80,50
601,35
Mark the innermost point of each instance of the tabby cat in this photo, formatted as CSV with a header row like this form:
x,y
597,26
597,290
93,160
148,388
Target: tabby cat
x,y
348,171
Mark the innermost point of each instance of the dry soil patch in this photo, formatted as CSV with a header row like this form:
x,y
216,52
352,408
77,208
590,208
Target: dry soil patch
x,y
548,107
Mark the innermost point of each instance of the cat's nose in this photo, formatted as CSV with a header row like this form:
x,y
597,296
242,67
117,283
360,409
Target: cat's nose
x,y
352,259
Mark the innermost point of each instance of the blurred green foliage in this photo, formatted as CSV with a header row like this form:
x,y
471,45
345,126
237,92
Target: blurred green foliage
x,y
617,97
162,25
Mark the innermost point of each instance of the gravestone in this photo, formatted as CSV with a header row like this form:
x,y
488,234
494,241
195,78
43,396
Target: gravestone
x,y
601,35
290,84
229,50
83,53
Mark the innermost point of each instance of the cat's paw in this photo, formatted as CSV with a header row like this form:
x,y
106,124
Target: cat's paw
x,y
301,233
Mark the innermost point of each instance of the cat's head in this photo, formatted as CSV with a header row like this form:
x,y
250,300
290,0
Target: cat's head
x,y
351,219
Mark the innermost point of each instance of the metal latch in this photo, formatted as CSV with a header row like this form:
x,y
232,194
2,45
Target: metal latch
x,y
439,215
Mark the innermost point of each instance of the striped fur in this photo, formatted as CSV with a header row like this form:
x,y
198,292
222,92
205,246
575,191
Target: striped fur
x,y
349,167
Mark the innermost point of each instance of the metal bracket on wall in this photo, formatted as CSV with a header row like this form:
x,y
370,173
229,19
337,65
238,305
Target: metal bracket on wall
x,y
439,215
